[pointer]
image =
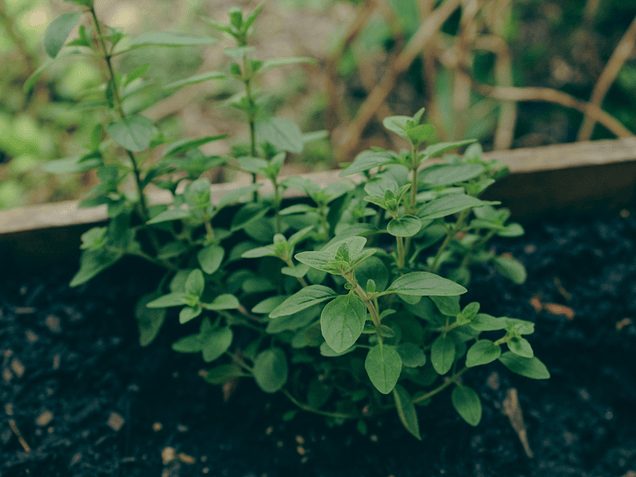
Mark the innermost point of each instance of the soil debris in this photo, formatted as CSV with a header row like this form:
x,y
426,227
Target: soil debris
x,y
622,324
17,367
187,459
53,323
115,421
512,409
168,455
44,418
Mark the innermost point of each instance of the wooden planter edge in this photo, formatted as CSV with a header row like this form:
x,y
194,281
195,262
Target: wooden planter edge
x,y
565,178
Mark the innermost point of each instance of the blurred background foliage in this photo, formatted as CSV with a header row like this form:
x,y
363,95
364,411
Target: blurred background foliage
x,y
502,71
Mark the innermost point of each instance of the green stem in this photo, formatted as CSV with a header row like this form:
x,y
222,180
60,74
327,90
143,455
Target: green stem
x,y
277,202
441,387
308,408
247,81
145,215
451,234
401,252
290,264
373,311
474,245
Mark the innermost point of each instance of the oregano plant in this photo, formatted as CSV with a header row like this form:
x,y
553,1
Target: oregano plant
x,y
348,302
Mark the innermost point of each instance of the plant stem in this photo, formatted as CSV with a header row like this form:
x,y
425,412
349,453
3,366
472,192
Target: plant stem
x,y
277,201
401,252
474,245
290,264
308,408
441,387
451,233
145,215
373,311
247,81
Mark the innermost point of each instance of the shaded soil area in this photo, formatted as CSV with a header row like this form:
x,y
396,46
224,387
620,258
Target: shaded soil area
x,y
89,401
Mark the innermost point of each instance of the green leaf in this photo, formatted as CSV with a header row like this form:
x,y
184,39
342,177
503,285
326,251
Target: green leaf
x,y
74,164
467,404
446,174
270,370
367,160
320,260
200,78
224,302
293,322
224,373
373,269
443,354
249,19
266,251
188,344
308,296
247,213
484,322
342,321
215,342
169,215
297,209
482,352
318,393
184,145
93,262
166,301
33,78
511,268
446,205
406,411
405,226
133,133
383,365
189,313
268,304
170,39
412,355
436,149
236,194
136,73
397,125
195,283
449,306
210,258
420,133
325,350
58,31
283,134
425,284
275,62
521,347
149,320
528,367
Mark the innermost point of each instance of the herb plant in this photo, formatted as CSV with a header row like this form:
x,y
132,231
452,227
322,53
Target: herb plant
x,y
347,302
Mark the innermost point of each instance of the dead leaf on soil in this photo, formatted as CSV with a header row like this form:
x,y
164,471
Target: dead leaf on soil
x,y
556,309
619,326
561,289
187,459
512,409
536,303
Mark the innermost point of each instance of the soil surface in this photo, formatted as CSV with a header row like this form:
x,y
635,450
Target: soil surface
x,y
90,402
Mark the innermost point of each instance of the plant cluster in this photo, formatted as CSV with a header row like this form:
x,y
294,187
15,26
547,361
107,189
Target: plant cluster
x,y
348,302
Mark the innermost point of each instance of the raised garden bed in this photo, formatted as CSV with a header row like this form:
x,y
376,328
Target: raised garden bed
x,y
88,401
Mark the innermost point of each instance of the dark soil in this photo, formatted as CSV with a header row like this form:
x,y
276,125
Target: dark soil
x,y
91,402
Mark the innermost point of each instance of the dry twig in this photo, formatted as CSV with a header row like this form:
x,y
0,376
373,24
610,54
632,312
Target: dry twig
x,y
378,96
333,114
18,434
549,95
602,86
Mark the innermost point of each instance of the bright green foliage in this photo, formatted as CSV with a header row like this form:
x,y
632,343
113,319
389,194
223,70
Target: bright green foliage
x,y
349,301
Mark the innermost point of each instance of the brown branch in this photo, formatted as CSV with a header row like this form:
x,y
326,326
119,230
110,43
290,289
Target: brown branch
x,y
602,86
549,95
332,113
379,95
